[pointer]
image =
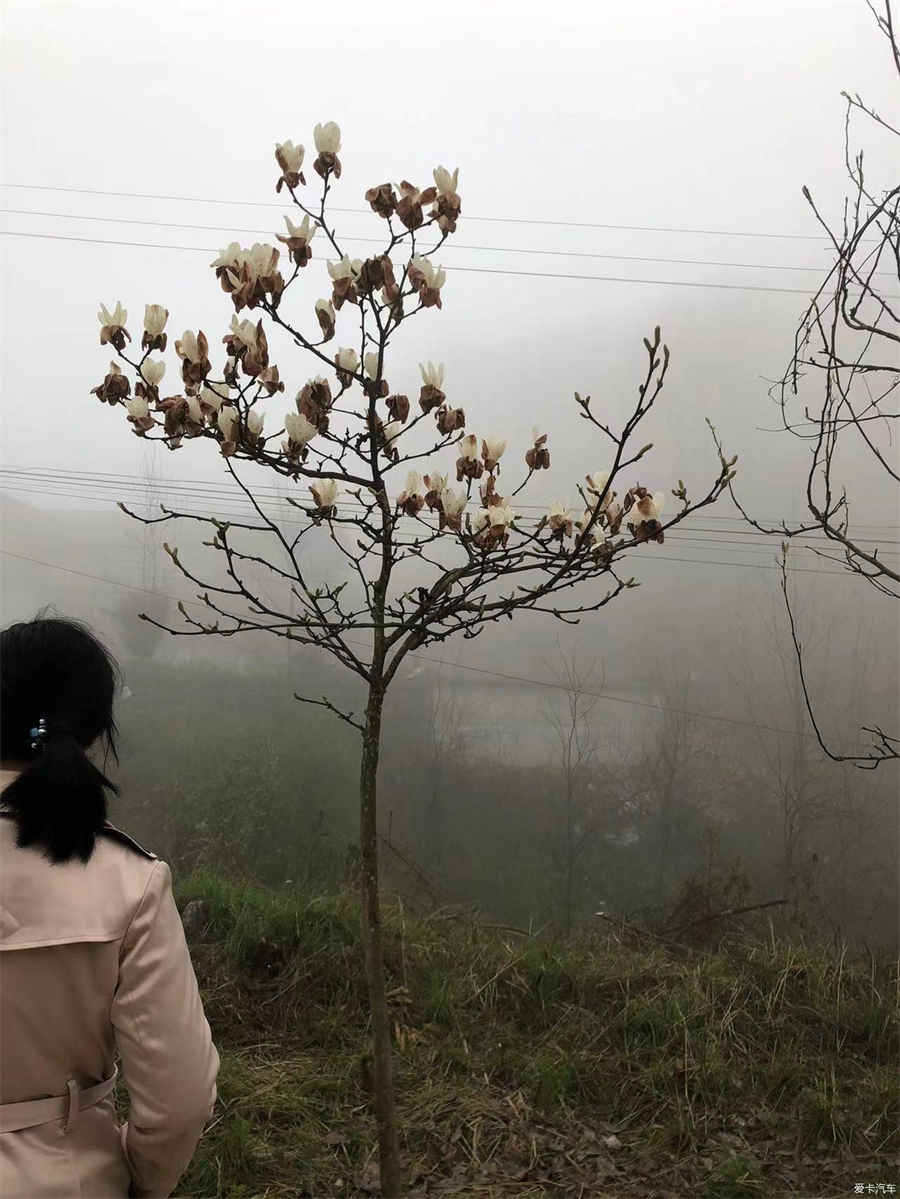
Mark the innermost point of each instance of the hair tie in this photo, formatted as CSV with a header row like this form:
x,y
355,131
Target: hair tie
x,y
39,734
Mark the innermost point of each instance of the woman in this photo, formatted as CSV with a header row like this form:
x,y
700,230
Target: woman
x,y
93,958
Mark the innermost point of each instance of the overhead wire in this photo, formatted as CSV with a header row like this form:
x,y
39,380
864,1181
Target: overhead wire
x,y
88,191
249,513
454,245
219,492
476,270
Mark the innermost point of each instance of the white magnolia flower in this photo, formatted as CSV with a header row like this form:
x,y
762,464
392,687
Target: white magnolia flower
x,y
245,331
325,492
468,447
226,420
371,364
482,520
214,399
434,277
193,405
595,484
453,502
261,258
153,370
445,182
327,307
299,429
501,514
306,229
345,268
436,482
391,430
560,512
137,406
413,484
229,257
649,508
432,374
188,347
255,422
113,319
493,448
327,138
347,359
155,317
291,155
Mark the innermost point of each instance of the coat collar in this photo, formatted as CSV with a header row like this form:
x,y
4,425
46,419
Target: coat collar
x,y
7,777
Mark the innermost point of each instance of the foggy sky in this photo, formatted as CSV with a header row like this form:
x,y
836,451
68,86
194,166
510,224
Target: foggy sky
x,y
703,116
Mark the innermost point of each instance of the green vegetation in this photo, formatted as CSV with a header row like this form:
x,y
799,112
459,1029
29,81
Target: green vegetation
x,y
766,1068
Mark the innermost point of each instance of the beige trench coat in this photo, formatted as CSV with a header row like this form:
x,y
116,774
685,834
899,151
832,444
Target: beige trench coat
x,y
94,962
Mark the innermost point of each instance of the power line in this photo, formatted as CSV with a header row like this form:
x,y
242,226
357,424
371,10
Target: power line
x,y
474,270
238,506
296,521
455,665
454,245
87,191
216,490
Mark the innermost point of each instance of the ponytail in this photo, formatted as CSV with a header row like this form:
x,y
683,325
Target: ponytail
x,y
58,801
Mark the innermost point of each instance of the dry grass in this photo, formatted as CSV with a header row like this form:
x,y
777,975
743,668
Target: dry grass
x,y
527,1068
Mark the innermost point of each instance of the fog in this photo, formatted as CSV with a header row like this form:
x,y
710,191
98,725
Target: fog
x,y
585,141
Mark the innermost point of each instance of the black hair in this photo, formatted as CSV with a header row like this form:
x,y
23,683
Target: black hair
x,y
57,669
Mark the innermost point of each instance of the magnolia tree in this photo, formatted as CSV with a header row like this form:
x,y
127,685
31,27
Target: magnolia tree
x,y
427,557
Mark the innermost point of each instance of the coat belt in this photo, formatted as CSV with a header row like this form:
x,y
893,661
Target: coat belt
x,y
16,1116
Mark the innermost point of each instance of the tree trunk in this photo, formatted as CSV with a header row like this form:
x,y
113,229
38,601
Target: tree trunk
x,y
389,1150
570,855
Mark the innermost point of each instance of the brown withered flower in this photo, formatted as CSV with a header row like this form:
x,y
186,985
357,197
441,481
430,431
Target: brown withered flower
x,y
450,420
382,200
270,381
325,317
115,387
398,407
375,273
176,415
314,401
538,457
409,204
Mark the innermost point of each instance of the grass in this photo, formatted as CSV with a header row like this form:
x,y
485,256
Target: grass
x,y
767,1068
